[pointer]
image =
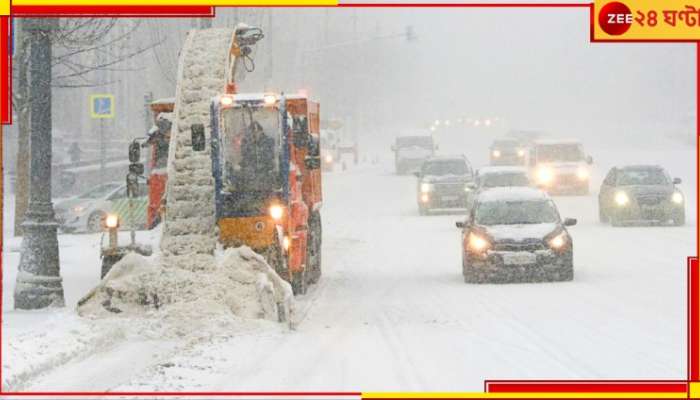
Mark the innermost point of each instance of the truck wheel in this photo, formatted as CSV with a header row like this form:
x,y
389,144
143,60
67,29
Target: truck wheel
x,y
601,214
299,282
313,249
94,222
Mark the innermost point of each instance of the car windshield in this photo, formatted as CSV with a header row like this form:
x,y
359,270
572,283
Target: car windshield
x,y
516,212
99,191
504,144
451,167
505,179
559,152
642,177
417,141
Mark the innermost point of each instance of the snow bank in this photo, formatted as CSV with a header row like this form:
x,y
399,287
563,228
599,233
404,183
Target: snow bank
x,y
239,283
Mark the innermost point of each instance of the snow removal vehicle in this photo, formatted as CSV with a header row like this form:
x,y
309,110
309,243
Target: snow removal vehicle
x,y
515,234
265,155
411,151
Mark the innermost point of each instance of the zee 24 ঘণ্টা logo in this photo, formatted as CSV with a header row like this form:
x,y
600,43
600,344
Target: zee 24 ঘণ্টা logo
x,y
662,18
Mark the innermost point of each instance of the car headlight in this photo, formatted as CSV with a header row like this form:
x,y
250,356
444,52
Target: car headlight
x,y
329,158
477,243
496,153
559,241
276,212
621,198
544,175
521,153
677,197
582,173
426,187
111,221
78,209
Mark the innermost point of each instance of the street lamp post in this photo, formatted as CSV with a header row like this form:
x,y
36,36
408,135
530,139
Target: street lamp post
x,y
39,282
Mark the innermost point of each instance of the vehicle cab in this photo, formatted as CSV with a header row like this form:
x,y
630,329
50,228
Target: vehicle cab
x,y
561,166
411,151
443,183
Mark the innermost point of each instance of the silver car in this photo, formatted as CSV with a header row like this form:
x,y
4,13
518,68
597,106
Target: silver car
x,y
86,211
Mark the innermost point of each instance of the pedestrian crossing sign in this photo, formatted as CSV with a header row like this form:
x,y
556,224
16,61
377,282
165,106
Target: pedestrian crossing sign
x,y
102,106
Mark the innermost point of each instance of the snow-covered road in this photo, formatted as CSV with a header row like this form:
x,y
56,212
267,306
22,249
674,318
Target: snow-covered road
x,y
393,313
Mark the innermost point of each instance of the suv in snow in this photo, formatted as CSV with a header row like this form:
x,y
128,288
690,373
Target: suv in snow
x,y
561,166
640,193
515,234
507,152
443,182
411,151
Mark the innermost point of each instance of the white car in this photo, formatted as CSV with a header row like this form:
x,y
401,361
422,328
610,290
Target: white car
x,y
86,211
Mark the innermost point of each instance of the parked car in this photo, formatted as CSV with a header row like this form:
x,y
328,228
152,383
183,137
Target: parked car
x,y
640,194
443,183
86,211
515,234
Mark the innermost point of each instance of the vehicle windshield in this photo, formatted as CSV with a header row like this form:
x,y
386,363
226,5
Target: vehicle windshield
x,y
559,152
505,144
516,212
451,167
415,141
504,179
250,150
100,191
642,177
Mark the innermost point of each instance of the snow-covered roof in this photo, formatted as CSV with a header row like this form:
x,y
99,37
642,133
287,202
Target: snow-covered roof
x,y
557,141
501,170
446,157
167,100
512,193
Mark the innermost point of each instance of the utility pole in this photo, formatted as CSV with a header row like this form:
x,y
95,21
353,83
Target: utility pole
x,y
39,283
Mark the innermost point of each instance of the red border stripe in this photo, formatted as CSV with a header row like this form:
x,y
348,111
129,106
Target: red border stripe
x,y
5,65
693,310
587,386
111,11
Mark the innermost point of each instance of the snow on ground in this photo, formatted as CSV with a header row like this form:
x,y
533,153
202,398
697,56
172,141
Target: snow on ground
x,y
392,311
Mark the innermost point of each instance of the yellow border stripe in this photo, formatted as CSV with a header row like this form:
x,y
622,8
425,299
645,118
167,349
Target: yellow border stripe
x,y
543,395
176,3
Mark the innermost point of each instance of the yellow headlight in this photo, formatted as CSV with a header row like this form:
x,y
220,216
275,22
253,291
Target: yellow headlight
x,y
521,153
677,197
544,175
112,221
424,198
621,198
329,158
276,212
496,153
426,187
558,241
582,174
477,243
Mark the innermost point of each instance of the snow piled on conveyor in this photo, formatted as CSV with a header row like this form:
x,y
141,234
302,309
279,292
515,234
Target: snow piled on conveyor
x,y
239,284
189,278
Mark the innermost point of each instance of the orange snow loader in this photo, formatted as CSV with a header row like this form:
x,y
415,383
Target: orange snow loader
x,y
265,151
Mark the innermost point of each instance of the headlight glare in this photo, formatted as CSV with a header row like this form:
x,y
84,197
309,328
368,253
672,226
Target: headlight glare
x,y
426,187
544,175
558,241
276,212
496,153
582,173
621,198
677,197
477,243
112,221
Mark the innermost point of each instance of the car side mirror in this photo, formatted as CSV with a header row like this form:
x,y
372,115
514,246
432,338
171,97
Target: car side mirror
x,y
570,221
459,224
134,152
198,138
677,181
589,160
